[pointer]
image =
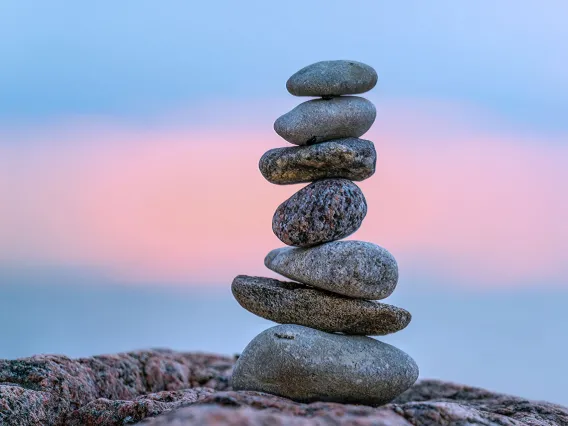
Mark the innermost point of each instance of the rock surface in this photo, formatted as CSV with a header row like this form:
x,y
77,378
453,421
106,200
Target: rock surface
x,y
104,411
427,403
55,390
351,268
293,303
326,210
321,120
350,158
52,390
332,78
309,365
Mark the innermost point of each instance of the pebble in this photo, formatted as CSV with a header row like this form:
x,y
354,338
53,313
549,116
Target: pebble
x,y
306,365
332,78
351,268
350,158
325,210
321,120
294,303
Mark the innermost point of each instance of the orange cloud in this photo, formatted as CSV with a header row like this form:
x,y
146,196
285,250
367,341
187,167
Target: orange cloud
x,y
484,208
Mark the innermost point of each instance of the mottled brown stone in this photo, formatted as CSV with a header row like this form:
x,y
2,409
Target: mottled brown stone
x,y
326,210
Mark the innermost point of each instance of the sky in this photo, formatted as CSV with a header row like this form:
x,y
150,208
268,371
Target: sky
x,y
130,135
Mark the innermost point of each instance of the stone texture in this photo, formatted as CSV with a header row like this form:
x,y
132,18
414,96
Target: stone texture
x,y
293,303
21,407
104,411
321,120
351,268
350,158
309,365
326,210
427,403
332,78
47,389
41,388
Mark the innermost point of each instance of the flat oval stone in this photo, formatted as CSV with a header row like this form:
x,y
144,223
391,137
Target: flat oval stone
x,y
350,158
325,210
321,120
332,78
352,268
309,365
294,303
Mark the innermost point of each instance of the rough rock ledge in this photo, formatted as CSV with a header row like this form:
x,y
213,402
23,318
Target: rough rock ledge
x,y
169,388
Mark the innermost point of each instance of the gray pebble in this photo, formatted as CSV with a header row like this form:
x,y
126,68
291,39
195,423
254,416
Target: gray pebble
x,y
325,210
308,365
351,268
321,120
332,78
293,303
350,158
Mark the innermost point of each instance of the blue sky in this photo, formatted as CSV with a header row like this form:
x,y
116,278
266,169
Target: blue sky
x,y
141,59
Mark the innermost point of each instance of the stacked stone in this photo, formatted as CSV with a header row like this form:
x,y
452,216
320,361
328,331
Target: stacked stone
x,y
321,351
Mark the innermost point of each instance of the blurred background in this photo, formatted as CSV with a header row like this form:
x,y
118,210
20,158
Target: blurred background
x,y
130,134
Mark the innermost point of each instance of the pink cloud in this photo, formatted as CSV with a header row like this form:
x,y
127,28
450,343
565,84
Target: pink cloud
x,y
479,207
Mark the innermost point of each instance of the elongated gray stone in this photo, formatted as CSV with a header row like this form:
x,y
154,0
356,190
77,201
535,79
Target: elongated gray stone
x,y
332,78
294,303
321,120
326,210
350,158
309,365
352,268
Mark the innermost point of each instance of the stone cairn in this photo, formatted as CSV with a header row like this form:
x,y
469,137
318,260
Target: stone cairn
x,y
321,351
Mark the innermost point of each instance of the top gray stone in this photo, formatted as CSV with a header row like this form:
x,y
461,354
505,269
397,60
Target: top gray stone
x,y
332,78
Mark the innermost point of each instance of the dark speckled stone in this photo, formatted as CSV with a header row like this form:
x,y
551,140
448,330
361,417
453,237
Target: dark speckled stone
x,y
332,78
350,158
294,303
321,120
326,210
309,365
351,268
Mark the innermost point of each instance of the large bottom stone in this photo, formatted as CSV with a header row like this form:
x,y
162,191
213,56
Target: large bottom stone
x,y
308,365
293,303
